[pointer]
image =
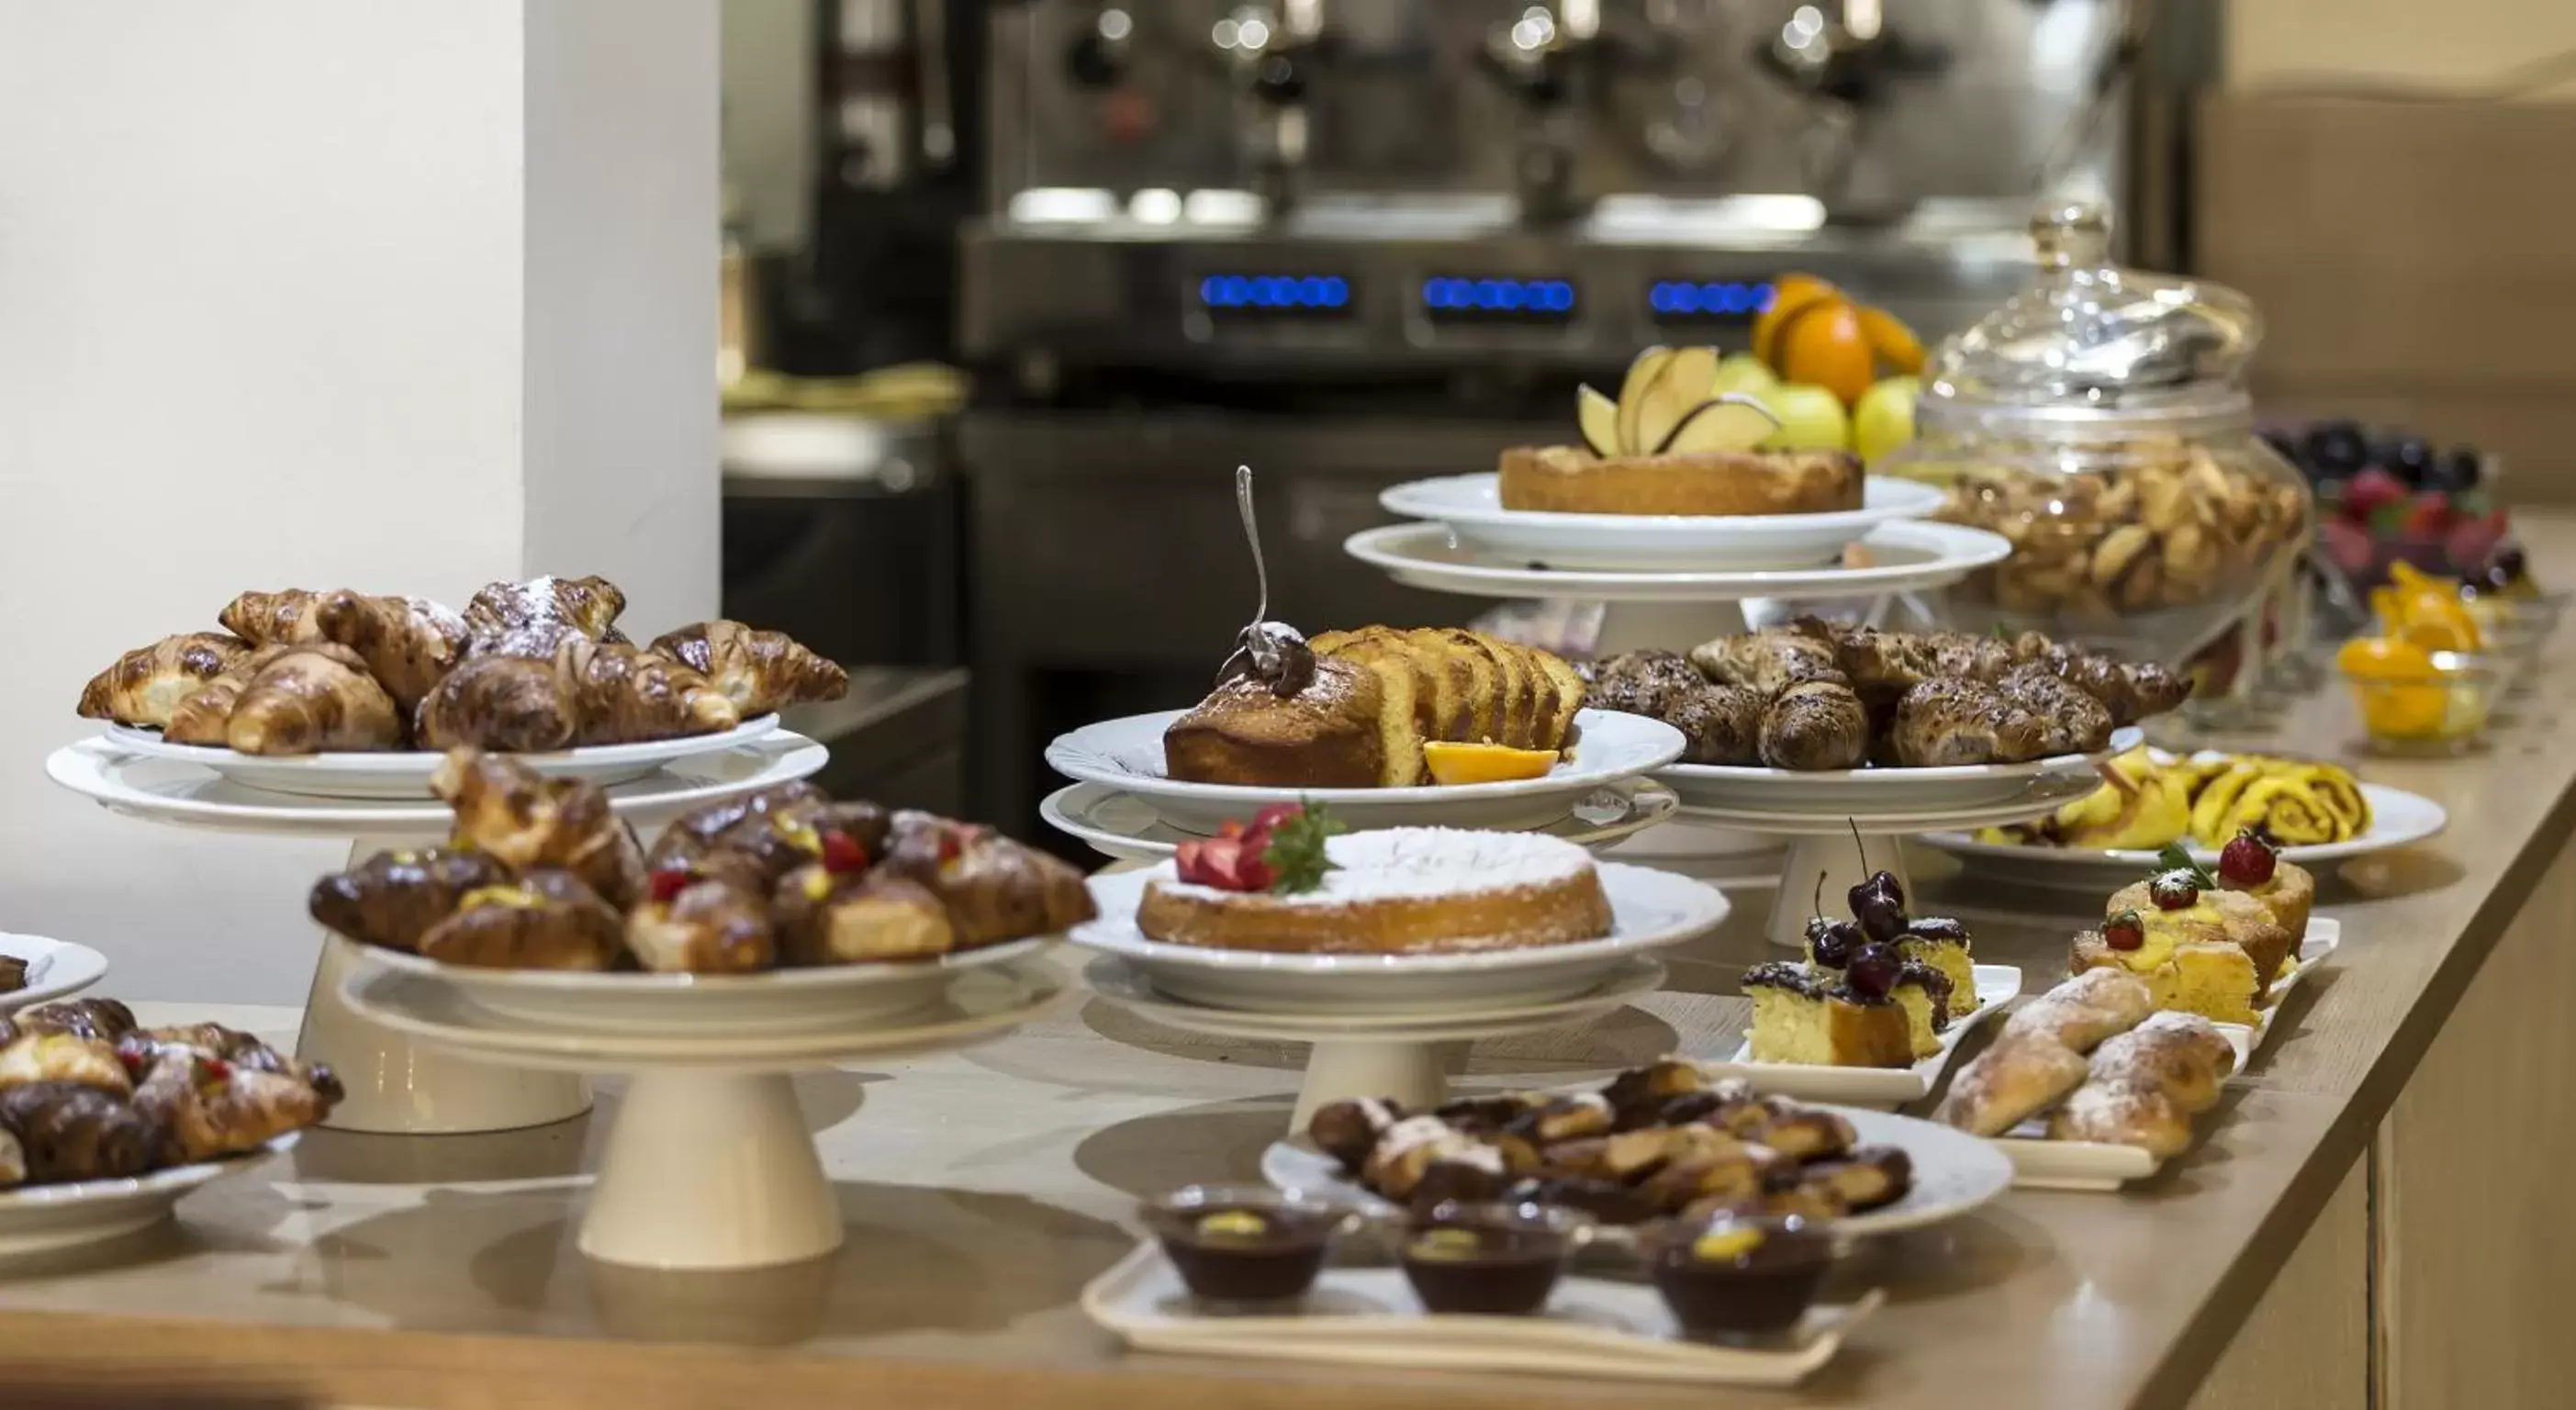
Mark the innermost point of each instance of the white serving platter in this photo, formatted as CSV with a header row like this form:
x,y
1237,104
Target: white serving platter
x,y
2397,819
56,969
1954,1172
2100,1167
1127,755
1845,792
1593,1328
1122,983
1650,910
1997,985
826,998
2033,797
167,791
1121,827
405,773
1905,556
1472,507
44,1218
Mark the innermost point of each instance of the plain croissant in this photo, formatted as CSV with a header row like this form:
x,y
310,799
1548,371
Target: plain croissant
x,y
147,683
313,699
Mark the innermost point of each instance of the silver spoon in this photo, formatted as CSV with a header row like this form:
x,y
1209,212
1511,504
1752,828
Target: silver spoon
x,y
1252,536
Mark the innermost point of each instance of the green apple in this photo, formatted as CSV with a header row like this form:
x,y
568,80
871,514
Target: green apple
x,y
1883,419
1811,418
1743,372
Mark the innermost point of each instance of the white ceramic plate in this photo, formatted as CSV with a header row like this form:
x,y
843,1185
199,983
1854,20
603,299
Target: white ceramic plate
x,y
1954,1172
42,1218
1594,1328
978,1004
1649,910
1127,755
56,969
163,790
1841,792
829,998
1120,827
1122,983
2397,818
2099,1166
1907,556
1472,506
1997,985
404,774
2038,796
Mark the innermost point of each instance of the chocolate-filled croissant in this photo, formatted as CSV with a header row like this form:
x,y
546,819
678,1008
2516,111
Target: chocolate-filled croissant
x,y
507,810
518,704
314,699
759,671
147,683
547,919
693,834
393,898
69,1132
408,643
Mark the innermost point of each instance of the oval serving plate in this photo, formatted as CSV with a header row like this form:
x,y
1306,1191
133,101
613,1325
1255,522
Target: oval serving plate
x,y
404,773
1471,505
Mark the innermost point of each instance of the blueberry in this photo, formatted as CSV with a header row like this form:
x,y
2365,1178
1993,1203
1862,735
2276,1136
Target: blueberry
x,y
2455,471
2336,448
2409,458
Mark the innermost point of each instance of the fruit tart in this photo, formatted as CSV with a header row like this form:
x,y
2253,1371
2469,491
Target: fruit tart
x,y
1672,443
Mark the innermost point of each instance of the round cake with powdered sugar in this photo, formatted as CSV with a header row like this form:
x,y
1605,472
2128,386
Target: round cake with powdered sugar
x,y
1404,890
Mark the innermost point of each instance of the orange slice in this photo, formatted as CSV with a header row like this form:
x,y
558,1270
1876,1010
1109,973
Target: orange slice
x,y
1789,293
1485,763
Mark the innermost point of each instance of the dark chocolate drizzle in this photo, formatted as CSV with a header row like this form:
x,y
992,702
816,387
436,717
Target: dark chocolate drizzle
x,y
1273,653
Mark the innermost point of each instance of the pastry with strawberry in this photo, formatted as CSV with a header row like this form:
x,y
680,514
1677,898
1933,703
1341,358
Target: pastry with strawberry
x,y
2251,864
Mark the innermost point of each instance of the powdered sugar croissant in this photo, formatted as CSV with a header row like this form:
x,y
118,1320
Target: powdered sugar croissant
x,y
759,671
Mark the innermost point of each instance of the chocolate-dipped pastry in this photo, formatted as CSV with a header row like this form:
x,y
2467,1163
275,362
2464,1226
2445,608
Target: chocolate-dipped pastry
x,y
535,617
1605,1200
13,974
1951,720
1815,725
623,694
994,889
68,1132
1636,1095
408,643
547,919
147,683
1479,1116
1348,1130
103,1019
829,918
393,898
511,812
704,824
208,1107
2077,723
708,925
36,1056
317,698
1767,662
516,704
283,618
759,671
1473,1179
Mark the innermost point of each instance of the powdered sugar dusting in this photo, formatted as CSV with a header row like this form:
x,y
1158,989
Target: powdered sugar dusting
x,y
1406,863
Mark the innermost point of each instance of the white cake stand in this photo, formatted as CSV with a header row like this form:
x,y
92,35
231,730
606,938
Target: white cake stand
x,y
1832,853
709,1164
394,1085
1382,1053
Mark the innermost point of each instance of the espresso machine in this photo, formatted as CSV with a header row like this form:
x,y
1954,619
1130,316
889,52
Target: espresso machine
x,y
1356,242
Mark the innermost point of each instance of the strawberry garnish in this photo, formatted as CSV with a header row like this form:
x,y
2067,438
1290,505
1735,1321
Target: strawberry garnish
x,y
843,853
1229,828
1269,819
666,883
1190,861
2247,861
219,1069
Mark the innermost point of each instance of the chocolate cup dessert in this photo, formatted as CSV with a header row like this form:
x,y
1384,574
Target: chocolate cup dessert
x,y
1490,1260
1245,1245
1730,1275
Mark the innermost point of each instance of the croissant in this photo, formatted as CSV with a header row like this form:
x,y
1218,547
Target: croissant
x,y
623,693
714,925
759,671
393,898
408,643
70,1132
147,683
514,703
547,920
533,618
13,1160
207,1107
858,918
994,889
202,716
272,618
37,1057
315,698
508,811
103,1019
694,832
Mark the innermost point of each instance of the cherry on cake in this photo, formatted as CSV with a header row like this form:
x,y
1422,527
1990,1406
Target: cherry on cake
x,y
1404,890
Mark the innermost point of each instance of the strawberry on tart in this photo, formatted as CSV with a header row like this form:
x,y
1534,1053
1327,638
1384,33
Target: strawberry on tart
x,y
1290,883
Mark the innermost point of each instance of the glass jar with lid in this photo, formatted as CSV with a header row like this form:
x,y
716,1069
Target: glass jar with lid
x,y
2099,420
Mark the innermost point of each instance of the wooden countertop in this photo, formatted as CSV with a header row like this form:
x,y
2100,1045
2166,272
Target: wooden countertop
x,y
984,1187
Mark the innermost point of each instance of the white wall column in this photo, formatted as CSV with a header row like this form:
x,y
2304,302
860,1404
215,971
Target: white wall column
x,y
389,294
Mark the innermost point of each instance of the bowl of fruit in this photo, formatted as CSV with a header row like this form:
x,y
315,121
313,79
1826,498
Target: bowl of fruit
x,y
2414,700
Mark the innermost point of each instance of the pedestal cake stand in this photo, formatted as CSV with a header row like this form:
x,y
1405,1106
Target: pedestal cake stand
x,y
395,1085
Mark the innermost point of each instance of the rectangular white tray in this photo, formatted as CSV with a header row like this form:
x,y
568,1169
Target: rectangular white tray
x,y
2043,1164
1873,1086
1593,1327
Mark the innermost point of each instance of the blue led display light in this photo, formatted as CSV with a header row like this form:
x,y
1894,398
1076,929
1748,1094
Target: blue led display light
x,y
1722,298
1324,293
1446,294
